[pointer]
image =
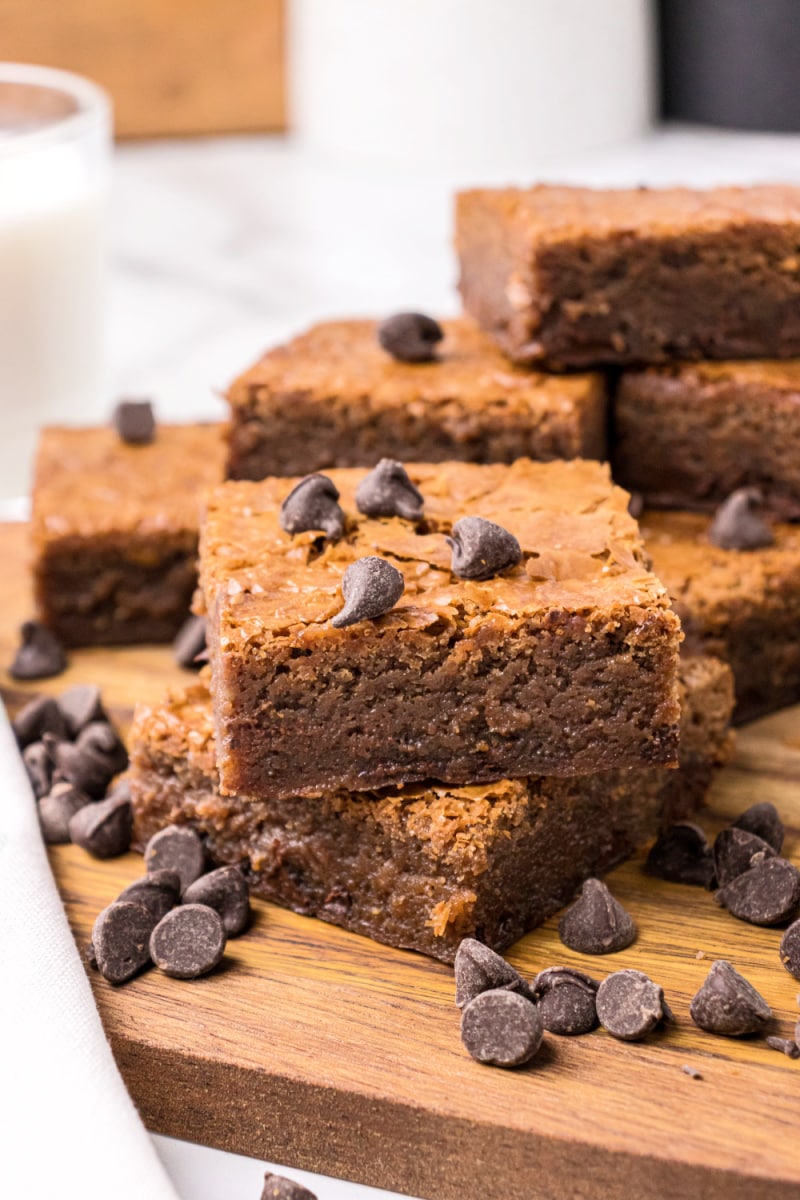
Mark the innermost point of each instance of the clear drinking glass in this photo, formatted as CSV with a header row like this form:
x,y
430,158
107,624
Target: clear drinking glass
x,y
55,153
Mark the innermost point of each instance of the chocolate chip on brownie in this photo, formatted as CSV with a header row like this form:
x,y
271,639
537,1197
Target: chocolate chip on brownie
x,y
766,894
81,705
763,820
736,526
158,892
681,854
388,492
189,646
790,950
787,1046
630,1005
371,586
480,969
501,1028
410,337
39,716
120,938
104,828
728,1004
313,504
596,923
278,1187
176,848
482,549
134,421
735,851
57,809
226,891
40,655
188,942
39,768
567,1000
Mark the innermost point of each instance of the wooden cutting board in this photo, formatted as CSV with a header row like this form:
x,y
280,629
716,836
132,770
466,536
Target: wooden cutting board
x,y
320,1049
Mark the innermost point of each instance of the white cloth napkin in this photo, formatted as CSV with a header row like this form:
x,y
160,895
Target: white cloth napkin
x,y
67,1126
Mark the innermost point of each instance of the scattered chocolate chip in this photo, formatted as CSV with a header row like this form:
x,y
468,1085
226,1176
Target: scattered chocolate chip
x,y
566,1000
40,655
57,809
39,716
313,504
630,1005
388,492
80,705
727,1004
104,828
736,526
100,737
636,505
371,587
225,890
39,767
278,1187
480,969
765,895
787,1046
176,848
120,938
482,549
410,337
763,820
790,950
692,1072
596,923
501,1028
190,644
189,941
85,768
681,854
158,893
735,851
134,421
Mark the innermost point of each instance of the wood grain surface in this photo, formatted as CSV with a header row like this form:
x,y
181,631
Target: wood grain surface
x,y
323,1050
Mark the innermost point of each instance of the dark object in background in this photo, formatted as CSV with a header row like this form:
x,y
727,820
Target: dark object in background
x,y
733,63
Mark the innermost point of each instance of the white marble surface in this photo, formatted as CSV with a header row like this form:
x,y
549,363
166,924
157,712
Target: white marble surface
x,y
223,247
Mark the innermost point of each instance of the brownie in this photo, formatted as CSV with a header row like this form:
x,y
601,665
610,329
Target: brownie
x,y
333,398
115,530
742,606
689,435
562,665
422,867
574,277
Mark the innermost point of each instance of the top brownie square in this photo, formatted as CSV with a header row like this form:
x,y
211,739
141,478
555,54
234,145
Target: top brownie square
x,y
575,277
562,665
332,397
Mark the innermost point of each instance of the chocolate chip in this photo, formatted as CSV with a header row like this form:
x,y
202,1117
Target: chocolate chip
x,y
789,950
482,549
120,937
87,770
158,893
787,1046
736,526
90,956
40,654
410,337
371,587
80,705
39,716
313,504
501,1028
190,644
480,969
630,1005
763,820
735,851
39,767
176,848
566,1000
57,809
727,1004
100,737
765,895
104,828
189,941
596,923
636,505
388,492
278,1187
692,1072
134,421
225,890
682,854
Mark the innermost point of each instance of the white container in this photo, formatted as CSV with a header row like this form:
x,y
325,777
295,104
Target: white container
x,y
470,89
55,137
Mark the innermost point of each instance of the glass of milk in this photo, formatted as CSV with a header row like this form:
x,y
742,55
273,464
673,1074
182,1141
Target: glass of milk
x,y
55,151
